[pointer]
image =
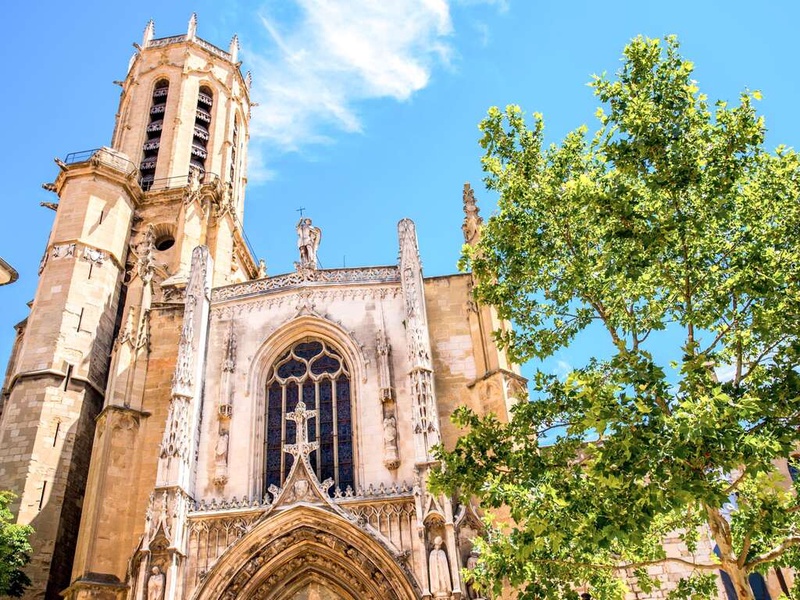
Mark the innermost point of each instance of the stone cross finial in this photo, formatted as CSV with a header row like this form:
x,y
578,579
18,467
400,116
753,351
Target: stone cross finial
x,y
303,447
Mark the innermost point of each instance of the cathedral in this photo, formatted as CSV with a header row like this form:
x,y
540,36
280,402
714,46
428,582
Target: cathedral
x,y
177,424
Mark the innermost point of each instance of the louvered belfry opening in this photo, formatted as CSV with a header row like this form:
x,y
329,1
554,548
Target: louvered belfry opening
x,y
202,124
234,149
153,140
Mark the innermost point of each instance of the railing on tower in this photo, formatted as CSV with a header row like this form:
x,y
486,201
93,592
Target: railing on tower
x,y
105,155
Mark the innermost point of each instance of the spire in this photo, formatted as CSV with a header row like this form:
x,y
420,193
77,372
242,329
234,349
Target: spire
x,y
472,220
191,33
149,33
233,49
248,80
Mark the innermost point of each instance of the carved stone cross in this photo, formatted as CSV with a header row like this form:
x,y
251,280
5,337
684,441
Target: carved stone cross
x,y
301,416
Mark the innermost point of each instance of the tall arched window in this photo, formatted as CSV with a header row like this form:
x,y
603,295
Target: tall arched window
x,y
315,372
202,123
153,142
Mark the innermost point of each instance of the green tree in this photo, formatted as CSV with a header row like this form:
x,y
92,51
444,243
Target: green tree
x,y
670,226
14,550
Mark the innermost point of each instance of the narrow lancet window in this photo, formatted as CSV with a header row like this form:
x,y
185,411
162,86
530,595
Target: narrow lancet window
x,y
234,150
152,142
202,124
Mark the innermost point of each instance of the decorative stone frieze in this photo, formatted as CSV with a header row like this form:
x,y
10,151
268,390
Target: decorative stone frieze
x,y
251,304
307,277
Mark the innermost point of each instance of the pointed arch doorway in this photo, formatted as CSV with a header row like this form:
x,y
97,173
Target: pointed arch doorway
x,y
307,552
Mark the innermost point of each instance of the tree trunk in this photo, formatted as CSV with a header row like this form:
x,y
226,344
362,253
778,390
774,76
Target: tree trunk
x,y
740,583
721,532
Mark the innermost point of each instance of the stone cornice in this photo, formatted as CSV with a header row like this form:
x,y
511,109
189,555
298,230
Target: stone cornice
x,y
109,164
306,278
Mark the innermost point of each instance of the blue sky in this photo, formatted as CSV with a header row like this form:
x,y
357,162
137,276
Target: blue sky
x,y
368,109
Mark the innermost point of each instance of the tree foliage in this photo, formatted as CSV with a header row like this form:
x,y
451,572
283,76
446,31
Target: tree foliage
x,y
670,225
14,550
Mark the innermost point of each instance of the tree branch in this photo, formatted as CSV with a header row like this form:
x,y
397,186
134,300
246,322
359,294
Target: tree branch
x,y
735,483
631,565
757,360
776,552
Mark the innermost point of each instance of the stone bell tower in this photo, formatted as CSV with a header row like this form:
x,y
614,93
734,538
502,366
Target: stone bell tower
x,y
128,218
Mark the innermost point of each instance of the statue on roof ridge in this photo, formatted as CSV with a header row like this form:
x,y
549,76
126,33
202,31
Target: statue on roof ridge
x,y
308,238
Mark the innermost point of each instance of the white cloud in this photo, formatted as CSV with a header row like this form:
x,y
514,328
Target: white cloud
x,y
313,69
563,368
502,5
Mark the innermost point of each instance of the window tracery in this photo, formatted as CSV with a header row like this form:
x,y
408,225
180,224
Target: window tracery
x,y
315,372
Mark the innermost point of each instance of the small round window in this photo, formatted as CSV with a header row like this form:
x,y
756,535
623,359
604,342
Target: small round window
x,y
165,242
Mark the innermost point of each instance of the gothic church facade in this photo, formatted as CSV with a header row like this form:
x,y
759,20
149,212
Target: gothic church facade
x,y
177,424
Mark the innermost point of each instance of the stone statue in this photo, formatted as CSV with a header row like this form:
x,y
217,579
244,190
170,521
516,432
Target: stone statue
x,y
262,269
147,261
221,450
308,238
389,432
391,460
472,563
441,587
472,218
221,459
194,180
155,585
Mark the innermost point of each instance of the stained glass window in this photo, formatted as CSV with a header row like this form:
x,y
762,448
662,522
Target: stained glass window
x,y
316,373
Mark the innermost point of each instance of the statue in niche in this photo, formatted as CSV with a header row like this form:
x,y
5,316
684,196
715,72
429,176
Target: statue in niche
x,y
308,238
390,442
441,587
221,450
221,458
155,584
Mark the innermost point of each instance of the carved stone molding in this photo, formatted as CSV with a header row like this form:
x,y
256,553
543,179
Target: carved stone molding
x,y
77,250
166,513
307,277
94,256
266,575
63,251
314,296
175,443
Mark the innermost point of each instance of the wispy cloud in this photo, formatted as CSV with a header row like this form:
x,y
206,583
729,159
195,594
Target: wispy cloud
x,y
314,68
562,369
501,5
